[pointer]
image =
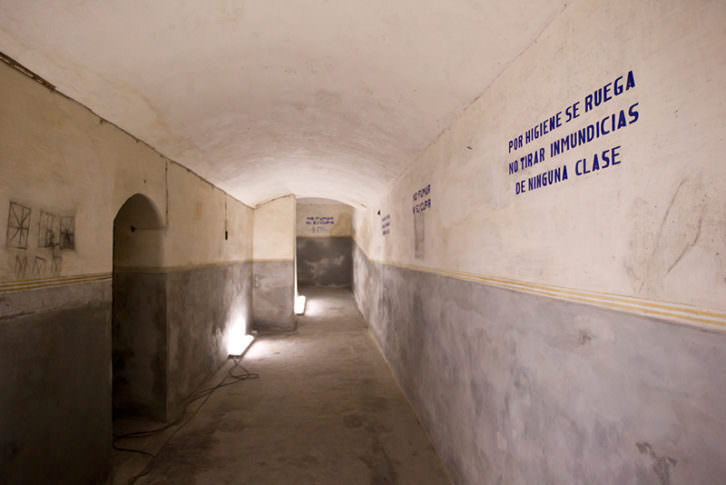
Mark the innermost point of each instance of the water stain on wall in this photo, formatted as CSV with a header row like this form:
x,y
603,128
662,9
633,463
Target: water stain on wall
x,y
419,235
658,251
661,464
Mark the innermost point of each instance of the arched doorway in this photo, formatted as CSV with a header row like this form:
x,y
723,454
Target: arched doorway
x,y
139,339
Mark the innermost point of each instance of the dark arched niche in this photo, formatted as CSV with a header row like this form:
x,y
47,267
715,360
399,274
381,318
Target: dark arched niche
x,y
139,312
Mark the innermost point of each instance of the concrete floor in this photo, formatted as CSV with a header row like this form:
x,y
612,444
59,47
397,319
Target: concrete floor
x,y
325,410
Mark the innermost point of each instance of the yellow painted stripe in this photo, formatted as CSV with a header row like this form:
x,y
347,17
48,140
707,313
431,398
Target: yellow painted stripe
x,y
318,236
52,282
643,308
675,312
610,296
84,278
170,269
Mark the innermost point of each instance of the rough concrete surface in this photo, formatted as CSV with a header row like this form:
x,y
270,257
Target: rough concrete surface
x,y
203,306
139,344
273,295
325,410
516,388
55,389
325,261
170,333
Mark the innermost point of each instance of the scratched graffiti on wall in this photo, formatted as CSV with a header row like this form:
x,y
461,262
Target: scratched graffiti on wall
x,y
55,233
18,226
68,232
21,264
49,230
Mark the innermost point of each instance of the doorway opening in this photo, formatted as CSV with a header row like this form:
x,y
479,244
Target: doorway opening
x,y
324,243
138,333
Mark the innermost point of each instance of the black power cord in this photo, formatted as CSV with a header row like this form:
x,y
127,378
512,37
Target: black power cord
x,y
202,394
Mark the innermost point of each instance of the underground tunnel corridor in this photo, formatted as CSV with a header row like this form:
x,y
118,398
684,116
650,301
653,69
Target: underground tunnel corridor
x,y
524,197
323,409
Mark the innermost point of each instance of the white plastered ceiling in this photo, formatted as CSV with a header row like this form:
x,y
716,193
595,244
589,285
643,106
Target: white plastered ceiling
x,y
320,98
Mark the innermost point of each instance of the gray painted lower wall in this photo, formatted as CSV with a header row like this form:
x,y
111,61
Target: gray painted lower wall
x,y
516,388
201,304
169,333
55,385
138,340
273,295
56,367
325,261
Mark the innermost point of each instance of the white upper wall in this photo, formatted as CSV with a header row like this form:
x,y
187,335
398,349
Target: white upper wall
x,y
274,230
199,216
267,98
653,226
339,99
58,161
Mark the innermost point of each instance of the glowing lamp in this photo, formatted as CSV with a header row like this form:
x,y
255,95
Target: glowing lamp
x,y
237,337
239,343
300,305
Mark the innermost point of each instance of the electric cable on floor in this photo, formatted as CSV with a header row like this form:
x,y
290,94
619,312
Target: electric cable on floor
x,y
204,393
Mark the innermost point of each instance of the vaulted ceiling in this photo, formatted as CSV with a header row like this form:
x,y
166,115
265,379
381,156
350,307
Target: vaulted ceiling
x,y
325,98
